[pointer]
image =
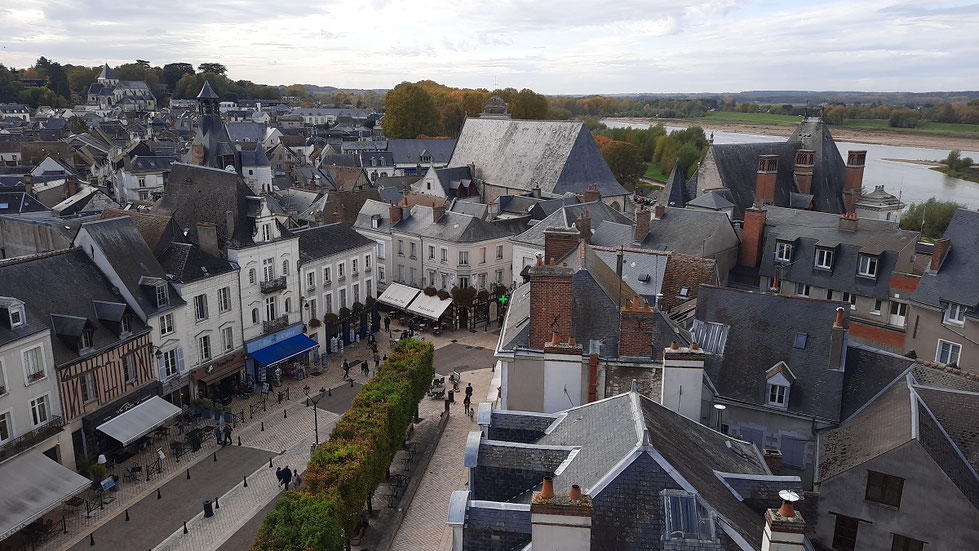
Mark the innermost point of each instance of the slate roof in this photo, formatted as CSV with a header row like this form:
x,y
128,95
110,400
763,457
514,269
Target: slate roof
x,y
956,279
328,240
559,156
158,230
107,72
202,194
762,332
410,151
19,202
452,226
45,297
186,263
868,372
143,163
207,92
245,131
713,200
675,191
87,199
131,259
566,215
809,230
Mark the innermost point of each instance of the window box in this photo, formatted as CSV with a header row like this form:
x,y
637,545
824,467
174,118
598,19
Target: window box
x,y
36,376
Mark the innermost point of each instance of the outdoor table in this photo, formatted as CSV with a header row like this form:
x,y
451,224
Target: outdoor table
x,y
142,443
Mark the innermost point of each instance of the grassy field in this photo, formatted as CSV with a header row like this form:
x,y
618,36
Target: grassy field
x,y
653,173
752,118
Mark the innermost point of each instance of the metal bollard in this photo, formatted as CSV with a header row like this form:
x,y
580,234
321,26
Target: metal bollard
x,y
239,440
245,479
285,414
185,527
216,504
158,496
215,457
263,426
127,515
188,474
91,538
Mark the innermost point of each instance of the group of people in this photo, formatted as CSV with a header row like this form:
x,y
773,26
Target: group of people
x,y
223,437
286,477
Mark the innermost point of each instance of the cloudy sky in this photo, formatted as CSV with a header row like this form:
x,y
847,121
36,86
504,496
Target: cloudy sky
x,y
572,47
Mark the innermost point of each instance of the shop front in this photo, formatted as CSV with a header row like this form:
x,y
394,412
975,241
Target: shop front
x,y
93,440
282,354
222,377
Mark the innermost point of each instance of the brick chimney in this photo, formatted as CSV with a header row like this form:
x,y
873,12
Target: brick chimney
x,y
551,294
592,377
853,179
785,529
560,522
802,170
71,186
207,238
837,341
848,222
642,225
765,179
336,215
773,458
437,212
636,329
583,223
659,211
938,253
683,380
558,242
395,214
752,236
591,194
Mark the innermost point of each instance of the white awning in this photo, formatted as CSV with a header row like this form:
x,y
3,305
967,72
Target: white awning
x,y
34,484
429,307
131,425
398,295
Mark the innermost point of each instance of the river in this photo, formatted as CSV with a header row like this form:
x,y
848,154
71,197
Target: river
x,y
912,182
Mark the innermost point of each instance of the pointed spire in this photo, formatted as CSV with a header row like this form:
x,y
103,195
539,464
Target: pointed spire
x,y
207,92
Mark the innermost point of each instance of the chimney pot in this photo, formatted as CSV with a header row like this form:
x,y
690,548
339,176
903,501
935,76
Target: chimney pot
x,y
555,338
693,345
674,346
787,510
547,489
659,211
575,492
839,317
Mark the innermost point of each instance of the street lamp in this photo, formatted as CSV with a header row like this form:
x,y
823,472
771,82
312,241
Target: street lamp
x,y
720,411
316,420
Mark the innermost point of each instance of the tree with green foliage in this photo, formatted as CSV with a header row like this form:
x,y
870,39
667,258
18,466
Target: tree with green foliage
x,y
527,104
296,91
213,68
80,78
300,521
172,72
930,218
453,117
904,118
956,161
410,112
625,162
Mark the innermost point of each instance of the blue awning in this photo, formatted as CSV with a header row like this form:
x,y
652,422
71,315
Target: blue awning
x,y
282,351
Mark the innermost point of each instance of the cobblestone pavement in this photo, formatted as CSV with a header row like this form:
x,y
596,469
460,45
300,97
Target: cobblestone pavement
x,y
424,526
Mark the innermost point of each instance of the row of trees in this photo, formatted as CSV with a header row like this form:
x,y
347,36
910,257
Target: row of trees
x,y
627,150
427,108
345,471
931,218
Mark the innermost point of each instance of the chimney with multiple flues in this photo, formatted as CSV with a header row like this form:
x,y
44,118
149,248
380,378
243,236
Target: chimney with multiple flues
x,y
551,294
853,179
848,222
395,213
560,522
642,225
558,242
659,211
636,318
583,224
785,529
437,212
802,170
591,194
765,179
938,253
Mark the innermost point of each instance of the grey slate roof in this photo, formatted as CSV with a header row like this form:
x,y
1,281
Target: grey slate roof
x,y
763,327
566,215
559,156
452,226
410,151
19,202
186,263
65,297
869,371
675,191
330,239
807,230
713,200
956,279
207,92
245,131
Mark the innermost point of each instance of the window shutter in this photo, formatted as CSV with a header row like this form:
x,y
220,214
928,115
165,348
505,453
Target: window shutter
x,y
161,367
180,359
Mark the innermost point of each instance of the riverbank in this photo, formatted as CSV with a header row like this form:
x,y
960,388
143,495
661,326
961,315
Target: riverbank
x,y
840,134
971,174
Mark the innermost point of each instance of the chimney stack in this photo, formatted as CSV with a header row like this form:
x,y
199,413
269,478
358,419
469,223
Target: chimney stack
x,y
683,380
592,194
583,223
853,179
71,186
559,242
560,522
837,341
752,234
938,253
336,215
785,529
636,329
804,159
658,211
592,377
29,183
207,238
848,222
437,212
395,213
642,225
765,179
535,192
551,294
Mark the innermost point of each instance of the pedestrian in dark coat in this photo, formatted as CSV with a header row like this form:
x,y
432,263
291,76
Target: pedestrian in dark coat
x,y
286,477
377,361
364,368
387,324
346,369
278,475
217,434
227,434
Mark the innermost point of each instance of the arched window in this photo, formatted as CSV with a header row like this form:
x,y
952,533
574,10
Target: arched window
x,y
254,314
288,305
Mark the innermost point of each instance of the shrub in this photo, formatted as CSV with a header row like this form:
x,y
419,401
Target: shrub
x,y
344,472
331,318
344,313
930,218
358,307
314,323
443,294
430,291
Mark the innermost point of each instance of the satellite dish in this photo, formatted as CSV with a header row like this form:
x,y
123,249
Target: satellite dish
x,y
788,495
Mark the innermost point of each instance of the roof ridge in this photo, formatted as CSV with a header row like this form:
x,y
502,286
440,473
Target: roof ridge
x,y
27,258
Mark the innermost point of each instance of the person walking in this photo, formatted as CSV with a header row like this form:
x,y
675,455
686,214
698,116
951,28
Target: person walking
x,y
346,369
278,475
217,434
377,362
387,324
227,435
296,480
365,368
364,523
466,403
286,477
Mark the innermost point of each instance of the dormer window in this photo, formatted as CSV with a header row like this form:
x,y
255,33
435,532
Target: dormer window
x,y
868,266
824,258
426,158
162,296
779,380
17,316
776,395
126,325
783,251
955,314
686,516
85,341
266,232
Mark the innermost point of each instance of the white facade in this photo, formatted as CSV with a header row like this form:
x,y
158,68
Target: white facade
x,y
29,396
271,264
427,262
337,281
210,327
139,186
382,256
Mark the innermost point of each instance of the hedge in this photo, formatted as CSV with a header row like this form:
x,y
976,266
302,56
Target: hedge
x,y
344,472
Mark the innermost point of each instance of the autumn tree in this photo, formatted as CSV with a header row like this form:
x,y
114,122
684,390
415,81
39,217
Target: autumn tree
x,y
296,91
173,71
80,78
623,160
528,104
453,117
410,112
